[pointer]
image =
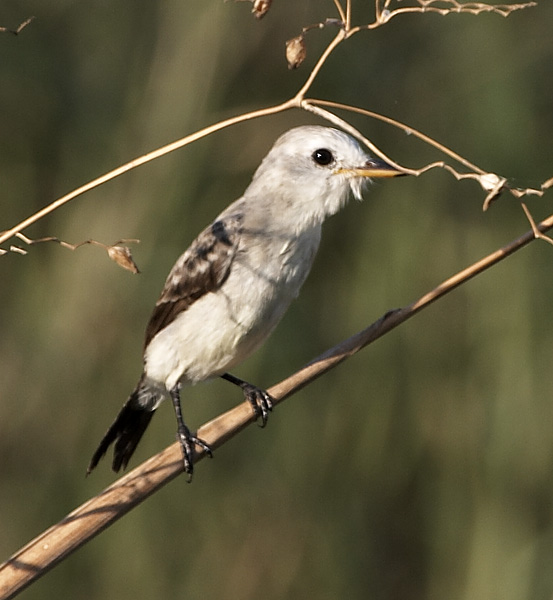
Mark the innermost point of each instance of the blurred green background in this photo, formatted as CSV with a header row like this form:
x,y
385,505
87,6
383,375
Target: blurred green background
x,y
420,469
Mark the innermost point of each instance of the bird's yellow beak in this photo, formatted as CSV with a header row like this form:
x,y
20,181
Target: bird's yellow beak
x,y
374,167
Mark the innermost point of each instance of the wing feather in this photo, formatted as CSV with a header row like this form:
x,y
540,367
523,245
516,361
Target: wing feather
x,y
203,268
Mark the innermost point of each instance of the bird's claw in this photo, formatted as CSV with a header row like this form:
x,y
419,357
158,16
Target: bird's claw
x,y
261,402
187,442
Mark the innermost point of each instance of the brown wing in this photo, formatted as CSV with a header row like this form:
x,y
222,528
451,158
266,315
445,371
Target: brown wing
x,y
203,268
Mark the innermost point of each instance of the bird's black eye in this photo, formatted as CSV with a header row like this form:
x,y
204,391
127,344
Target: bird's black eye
x,y
322,157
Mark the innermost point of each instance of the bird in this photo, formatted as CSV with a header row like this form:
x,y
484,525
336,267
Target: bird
x,y
227,292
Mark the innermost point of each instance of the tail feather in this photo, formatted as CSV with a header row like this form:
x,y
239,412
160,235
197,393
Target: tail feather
x,y
126,432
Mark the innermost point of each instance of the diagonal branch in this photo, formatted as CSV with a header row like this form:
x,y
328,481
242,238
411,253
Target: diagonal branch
x,y
101,511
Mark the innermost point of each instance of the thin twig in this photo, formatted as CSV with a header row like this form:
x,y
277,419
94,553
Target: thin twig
x,y
121,255
445,7
538,234
98,513
311,106
141,160
340,36
492,183
340,10
18,29
407,129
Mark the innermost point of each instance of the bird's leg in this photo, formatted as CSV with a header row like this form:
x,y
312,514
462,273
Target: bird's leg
x,y
260,400
186,439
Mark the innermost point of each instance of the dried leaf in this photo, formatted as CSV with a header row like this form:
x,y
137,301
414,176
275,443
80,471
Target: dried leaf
x,y
295,52
494,185
261,7
123,257
491,181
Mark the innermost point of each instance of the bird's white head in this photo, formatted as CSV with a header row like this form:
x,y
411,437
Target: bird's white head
x,y
311,170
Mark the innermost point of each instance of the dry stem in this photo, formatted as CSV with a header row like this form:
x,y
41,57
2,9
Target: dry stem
x,y
98,513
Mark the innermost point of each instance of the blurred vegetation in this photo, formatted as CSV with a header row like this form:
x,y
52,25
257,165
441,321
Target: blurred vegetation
x,y
420,469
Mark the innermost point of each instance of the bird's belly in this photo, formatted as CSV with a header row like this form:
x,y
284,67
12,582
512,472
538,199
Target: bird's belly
x,y
223,328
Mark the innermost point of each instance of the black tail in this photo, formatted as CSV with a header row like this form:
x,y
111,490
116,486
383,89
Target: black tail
x,y
126,431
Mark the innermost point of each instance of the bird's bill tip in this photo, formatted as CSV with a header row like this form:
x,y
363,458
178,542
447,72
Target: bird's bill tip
x,y
375,167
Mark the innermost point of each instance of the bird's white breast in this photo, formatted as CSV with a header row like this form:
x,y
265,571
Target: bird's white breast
x,y
222,328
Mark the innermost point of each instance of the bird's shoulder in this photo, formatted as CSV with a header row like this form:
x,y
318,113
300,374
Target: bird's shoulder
x,y
201,269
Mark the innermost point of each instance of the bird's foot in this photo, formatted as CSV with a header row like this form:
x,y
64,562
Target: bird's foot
x,y
260,400
187,443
